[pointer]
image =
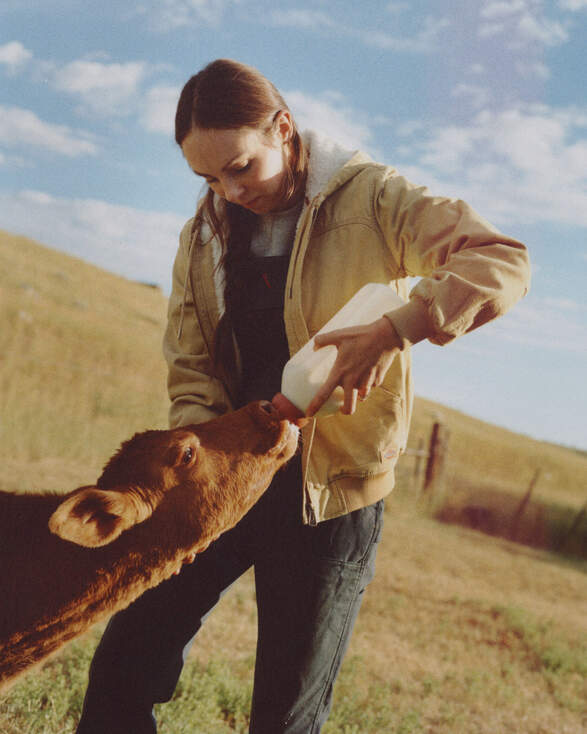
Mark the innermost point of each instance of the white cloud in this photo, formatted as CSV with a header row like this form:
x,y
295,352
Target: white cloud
x,y
424,41
517,165
407,128
524,22
532,29
331,115
494,10
447,149
538,142
531,319
21,127
159,109
137,244
14,55
526,326
487,30
169,15
572,5
477,95
563,304
536,69
297,18
104,88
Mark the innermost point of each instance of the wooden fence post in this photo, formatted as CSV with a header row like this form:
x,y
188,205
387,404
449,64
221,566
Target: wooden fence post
x,y
419,453
433,488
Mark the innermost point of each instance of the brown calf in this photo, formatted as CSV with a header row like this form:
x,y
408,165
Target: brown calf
x,y
70,560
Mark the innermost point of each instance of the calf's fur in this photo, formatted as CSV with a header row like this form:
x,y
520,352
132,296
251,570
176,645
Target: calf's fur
x,y
70,560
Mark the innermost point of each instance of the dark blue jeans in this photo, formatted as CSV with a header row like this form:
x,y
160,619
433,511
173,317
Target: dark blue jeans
x,y
309,584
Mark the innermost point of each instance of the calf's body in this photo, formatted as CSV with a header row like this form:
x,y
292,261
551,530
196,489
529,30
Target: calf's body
x,y
70,560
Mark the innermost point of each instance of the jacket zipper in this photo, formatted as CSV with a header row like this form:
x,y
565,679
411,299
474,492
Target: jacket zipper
x,y
309,509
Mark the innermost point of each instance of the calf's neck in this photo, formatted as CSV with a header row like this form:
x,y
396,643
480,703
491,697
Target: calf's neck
x,y
70,560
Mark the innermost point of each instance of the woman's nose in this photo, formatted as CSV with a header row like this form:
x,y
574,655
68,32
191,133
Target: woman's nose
x,y
234,192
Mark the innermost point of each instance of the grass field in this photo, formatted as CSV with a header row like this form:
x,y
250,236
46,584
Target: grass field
x,y
461,632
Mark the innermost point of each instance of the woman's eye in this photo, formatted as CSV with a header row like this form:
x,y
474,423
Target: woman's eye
x,y
242,169
188,455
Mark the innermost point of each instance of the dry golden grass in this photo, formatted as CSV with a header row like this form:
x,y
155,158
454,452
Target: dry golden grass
x,y
460,633
467,633
491,456
80,364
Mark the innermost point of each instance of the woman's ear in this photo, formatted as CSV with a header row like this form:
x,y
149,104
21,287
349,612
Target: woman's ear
x,y
284,126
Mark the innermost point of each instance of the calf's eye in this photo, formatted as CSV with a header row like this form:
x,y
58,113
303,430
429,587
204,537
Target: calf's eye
x,y
188,455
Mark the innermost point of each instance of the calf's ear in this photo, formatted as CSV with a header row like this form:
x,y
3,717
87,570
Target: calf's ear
x,y
94,517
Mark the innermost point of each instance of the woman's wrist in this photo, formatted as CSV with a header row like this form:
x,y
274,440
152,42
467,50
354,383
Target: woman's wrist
x,y
411,323
390,338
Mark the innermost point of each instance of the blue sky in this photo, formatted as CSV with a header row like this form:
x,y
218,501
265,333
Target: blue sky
x,y
480,99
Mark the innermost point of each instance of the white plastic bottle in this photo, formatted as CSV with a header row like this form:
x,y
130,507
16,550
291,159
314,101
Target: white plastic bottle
x,y
308,369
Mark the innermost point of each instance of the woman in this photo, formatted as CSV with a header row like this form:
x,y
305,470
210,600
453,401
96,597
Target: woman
x,y
290,228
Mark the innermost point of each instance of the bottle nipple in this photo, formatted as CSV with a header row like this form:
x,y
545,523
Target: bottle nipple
x,y
286,408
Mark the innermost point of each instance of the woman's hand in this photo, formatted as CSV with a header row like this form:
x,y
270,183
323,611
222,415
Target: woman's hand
x,y
365,353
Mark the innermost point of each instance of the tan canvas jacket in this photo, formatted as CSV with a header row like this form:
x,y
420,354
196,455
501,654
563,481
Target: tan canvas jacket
x,y
361,223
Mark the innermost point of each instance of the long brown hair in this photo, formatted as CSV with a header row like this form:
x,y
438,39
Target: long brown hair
x,y
226,94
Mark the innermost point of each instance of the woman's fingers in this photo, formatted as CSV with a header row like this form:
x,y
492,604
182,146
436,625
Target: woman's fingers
x,y
350,401
365,353
322,394
354,389
334,337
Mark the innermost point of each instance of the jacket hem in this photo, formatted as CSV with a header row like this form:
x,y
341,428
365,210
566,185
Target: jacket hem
x,y
348,493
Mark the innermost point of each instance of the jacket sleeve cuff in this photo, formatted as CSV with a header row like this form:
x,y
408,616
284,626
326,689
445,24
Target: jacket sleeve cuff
x,y
411,322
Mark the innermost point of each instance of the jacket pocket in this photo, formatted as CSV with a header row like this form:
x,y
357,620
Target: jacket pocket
x,y
367,443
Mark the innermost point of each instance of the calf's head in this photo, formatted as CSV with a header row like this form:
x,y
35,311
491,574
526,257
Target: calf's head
x,y
206,476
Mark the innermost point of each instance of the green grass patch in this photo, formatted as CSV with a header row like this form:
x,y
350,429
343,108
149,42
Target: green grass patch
x,y
561,662
210,699
551,653
48,700
214,698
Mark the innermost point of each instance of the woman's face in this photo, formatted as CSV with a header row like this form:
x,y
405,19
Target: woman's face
x,y
243,166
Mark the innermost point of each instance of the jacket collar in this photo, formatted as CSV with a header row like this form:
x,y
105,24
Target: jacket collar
x,y
330,165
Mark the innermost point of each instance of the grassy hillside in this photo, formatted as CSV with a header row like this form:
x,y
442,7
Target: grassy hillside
x,y
80,364
461,633
81,369
492,456
489,473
